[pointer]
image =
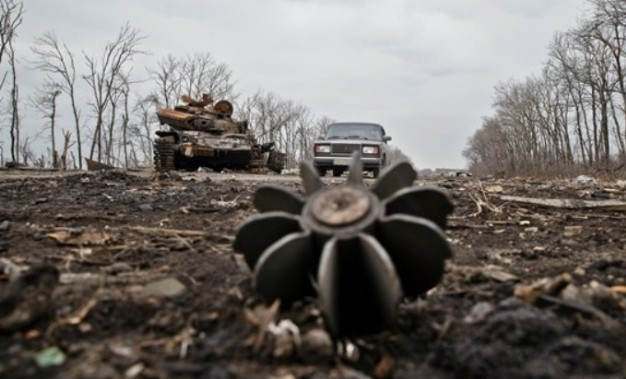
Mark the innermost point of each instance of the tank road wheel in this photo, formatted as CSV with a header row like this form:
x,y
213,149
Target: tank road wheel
x,y
276,161
164,159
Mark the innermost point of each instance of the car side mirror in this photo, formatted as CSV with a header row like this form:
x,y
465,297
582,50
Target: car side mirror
x,y
387,138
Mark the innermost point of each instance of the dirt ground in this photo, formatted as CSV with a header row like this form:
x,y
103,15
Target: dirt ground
x,y
532,291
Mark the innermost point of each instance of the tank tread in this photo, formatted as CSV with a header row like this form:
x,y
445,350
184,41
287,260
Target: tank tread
x,y
164,159
257,166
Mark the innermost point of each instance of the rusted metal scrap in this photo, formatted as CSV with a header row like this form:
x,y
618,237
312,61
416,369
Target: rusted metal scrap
x,y
359,250
203,134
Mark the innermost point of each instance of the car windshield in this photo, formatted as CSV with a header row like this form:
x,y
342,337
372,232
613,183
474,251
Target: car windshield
x,y
357,131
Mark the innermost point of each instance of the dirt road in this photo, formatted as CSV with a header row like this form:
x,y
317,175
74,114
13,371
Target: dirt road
x,y
149,286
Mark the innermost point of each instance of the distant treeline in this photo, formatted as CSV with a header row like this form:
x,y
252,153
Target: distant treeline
x,y
569,117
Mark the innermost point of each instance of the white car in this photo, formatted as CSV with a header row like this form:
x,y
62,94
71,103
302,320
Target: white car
x,y
334,150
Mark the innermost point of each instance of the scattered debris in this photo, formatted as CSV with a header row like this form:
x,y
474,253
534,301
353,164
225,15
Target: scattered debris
x,y
569,321
10,269
5,225
569,203
261,316
168,287
479,312
571,231
480,274
545,286
134,370
80,236
52,356
224,204
494,188
75,318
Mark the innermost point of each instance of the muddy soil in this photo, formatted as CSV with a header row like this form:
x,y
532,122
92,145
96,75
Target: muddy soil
x,y
133,275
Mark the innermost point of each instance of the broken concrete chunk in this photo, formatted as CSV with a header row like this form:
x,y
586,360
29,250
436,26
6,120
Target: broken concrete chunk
x,y
571,231
5,225
498,275
479,312
80,237
168,287
494,188
146,207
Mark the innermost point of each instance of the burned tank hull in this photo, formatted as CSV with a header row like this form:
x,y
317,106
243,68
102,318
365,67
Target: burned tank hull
x,y
201,136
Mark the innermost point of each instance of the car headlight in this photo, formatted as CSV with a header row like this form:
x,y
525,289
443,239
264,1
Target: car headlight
x,y
370,150
322,149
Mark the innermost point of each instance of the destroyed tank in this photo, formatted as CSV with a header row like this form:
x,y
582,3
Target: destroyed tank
x,y
203,134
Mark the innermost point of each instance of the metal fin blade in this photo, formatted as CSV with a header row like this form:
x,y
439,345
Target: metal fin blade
x,y
355,174
398,176
283,271
270,198
385,284
310,180
418,249
261,231
328,277
358,287
429,203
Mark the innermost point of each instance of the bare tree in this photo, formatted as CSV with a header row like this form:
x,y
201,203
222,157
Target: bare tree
x,y
191,75
11,13
67,137
125,94
141,130
167,79
26,152
57,61
14,109
200,73
291,126
102,74
609,27
45,102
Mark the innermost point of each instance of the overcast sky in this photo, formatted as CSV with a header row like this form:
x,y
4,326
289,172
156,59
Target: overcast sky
x,y
424,69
